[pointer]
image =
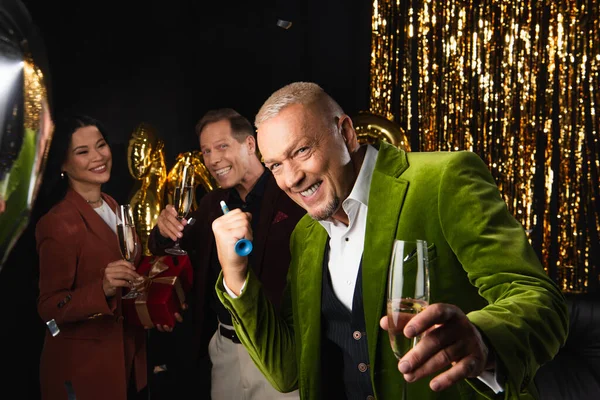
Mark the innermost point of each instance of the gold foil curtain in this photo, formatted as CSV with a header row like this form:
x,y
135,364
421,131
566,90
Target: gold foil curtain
x,y
517,82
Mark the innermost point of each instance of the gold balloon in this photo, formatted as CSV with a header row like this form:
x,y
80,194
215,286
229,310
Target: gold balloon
x,y
201,175
146,162
370,128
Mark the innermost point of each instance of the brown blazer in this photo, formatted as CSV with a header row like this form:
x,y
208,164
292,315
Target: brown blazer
x,y
271,247
94,350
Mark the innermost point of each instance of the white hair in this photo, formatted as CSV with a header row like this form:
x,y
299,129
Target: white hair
x,y
305,93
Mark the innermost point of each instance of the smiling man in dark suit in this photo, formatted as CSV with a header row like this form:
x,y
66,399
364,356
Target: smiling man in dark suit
x,y
228,145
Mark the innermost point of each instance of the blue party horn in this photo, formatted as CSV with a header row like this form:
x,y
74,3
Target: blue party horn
x,y
242,247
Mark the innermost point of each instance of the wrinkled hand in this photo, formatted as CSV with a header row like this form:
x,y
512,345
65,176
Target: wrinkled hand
x,y
448,338
168,223
228,229
178,317
118,273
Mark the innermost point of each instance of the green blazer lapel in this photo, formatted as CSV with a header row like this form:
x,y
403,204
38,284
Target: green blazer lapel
x,y
309,277
386,198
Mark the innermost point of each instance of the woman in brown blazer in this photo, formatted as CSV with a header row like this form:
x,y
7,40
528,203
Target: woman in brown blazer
x,y
82,273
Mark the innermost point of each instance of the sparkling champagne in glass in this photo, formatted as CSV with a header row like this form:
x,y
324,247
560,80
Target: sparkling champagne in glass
x,y
127,237
183,196
408,291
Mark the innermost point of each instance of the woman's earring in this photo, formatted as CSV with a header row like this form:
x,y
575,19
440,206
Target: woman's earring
x,y
62,175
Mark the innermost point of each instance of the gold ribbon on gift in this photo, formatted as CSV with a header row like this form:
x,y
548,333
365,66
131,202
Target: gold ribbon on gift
x,y
141,305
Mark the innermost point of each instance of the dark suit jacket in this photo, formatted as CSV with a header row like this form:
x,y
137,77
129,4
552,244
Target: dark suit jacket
x,y
94,350
278,218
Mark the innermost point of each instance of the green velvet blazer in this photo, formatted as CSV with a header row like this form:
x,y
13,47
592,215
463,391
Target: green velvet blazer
x,y
480,260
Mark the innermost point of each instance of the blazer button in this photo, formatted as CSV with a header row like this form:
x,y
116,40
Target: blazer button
x,y
356,335
362,367
369,397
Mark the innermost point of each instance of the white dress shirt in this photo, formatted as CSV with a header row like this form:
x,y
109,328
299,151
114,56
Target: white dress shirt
x,y
108,215
346,243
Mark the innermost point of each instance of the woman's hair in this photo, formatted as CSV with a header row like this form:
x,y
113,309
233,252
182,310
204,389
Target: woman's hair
x,y
54,183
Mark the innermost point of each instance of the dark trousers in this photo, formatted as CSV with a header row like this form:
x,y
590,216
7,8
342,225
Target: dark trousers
x,y
179,382
133,394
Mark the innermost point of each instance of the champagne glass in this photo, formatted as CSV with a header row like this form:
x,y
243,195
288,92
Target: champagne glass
x,y
127,239
183,196
407,292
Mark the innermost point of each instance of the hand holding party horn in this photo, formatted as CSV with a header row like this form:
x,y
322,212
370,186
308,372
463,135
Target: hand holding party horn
x,y
243,247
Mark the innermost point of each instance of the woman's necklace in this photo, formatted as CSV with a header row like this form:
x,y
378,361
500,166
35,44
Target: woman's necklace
x,y
92,202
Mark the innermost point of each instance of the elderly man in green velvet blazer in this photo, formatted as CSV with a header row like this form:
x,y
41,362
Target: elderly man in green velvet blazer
x,y
494,316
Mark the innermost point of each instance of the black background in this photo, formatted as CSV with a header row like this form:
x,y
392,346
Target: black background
x,y
167,63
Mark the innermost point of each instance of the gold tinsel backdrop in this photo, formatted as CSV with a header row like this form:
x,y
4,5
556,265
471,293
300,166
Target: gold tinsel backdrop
x,y
517,82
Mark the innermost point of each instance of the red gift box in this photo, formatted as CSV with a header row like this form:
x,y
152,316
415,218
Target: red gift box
x,y
166,281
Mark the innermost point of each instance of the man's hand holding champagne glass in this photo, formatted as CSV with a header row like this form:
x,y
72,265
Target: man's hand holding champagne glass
x,y
427,338
183,198
172,220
